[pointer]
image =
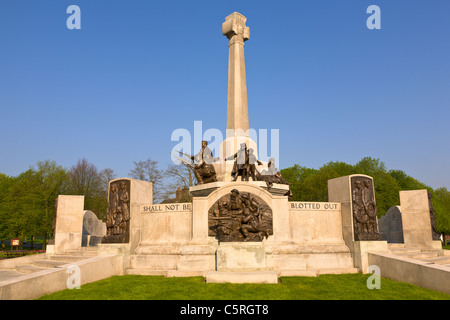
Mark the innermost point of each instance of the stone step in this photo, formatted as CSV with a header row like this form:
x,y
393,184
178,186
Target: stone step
x,y
155,262
67,258
242,277
298,273
403,251
443,260
337,271
85,251
396,245
165,273
423,255
146,272
48,263
29,269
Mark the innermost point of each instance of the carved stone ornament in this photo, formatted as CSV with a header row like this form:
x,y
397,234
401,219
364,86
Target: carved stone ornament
x,y
240,216
118,214
364,210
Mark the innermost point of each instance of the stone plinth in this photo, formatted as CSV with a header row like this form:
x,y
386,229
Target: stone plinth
x,y
306,240
241,256
69,223
341,190
415,213
131,194
361,250
204,190
242,277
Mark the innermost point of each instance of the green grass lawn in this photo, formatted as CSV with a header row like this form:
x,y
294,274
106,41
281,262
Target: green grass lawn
x,y
324,287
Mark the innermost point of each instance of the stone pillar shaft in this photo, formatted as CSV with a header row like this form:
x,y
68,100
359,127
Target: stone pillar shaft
x,y
237,108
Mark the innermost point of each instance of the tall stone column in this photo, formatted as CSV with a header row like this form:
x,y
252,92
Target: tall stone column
x,y
237,32
237,108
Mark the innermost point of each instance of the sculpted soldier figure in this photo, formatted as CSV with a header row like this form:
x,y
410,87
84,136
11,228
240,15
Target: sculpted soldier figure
x,y
369,207
244,164
272,175
360,217
124,199
112,208
250,167
203,169
239,162
236,202
364,210
251,221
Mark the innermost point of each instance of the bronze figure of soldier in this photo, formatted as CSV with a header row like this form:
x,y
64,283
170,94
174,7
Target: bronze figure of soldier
x,y
203,169
244,164
251,221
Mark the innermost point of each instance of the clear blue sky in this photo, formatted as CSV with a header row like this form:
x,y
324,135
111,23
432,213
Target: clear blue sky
x,y
114,91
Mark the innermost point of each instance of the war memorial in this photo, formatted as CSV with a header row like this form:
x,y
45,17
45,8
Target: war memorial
x,y
240,226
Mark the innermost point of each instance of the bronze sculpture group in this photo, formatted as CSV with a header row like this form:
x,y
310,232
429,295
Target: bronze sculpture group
x,y
240,216
118,215
244,166
364,210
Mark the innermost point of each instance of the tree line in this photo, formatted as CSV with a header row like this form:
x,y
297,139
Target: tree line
x,y
309,184
27,201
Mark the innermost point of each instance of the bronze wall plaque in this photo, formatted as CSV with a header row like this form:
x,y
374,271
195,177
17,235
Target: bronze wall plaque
x,y
118,214
240,216
365,224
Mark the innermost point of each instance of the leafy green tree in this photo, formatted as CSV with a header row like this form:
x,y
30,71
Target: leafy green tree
x,y
312,185
296,175
407,182
5,184
50,183
27,207
441,205
386,187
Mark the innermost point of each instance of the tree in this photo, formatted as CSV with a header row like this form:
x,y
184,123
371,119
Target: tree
x,y
177,176
440,199
50,182
106,175
148,171
407,182
386,187
297,175
27,207
84,178
5,184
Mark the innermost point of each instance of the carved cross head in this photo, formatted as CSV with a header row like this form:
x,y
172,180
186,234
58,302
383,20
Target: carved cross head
x,y
235,25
